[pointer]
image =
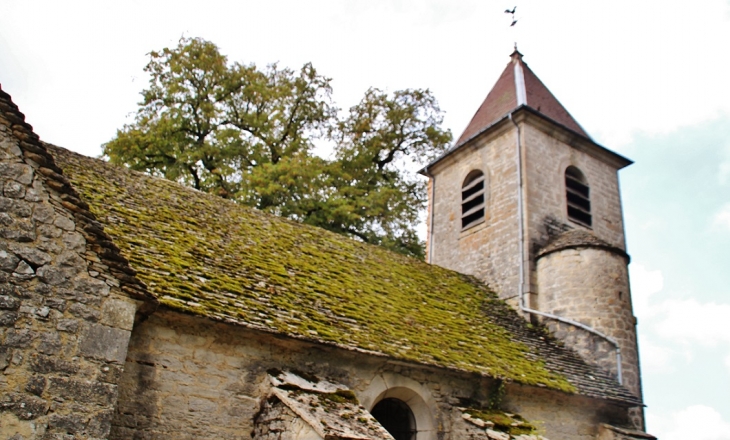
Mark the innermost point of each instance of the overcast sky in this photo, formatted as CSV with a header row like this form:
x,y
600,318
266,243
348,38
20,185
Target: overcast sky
x,y
649,79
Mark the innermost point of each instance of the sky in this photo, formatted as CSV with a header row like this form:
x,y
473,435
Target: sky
x,y
647,79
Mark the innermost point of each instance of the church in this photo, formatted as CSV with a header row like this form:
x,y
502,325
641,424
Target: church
x,y
132,307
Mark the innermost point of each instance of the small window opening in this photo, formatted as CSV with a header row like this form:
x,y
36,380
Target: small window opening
x,y
578,195
472,199
396,417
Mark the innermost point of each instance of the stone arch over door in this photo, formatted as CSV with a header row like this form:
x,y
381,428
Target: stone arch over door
x,y
416,396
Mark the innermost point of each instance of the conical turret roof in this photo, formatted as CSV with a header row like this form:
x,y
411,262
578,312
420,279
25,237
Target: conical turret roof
x,y
518,86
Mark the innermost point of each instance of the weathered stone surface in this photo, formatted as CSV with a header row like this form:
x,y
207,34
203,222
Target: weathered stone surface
x,y
102,342
19,172
85,312
30,254
14,190
7,319
24,406
64,223
68,325
92,286
53,275
82,390
8,261
19,338
48,364
118,313
49,343
36,385
43,213
69,423
9,303
44,391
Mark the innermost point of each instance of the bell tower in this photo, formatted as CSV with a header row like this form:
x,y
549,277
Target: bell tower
x,y
527,202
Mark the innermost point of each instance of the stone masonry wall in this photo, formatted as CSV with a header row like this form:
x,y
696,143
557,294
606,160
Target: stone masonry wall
x,y
547,156
488,250
64,320
191,378
591,286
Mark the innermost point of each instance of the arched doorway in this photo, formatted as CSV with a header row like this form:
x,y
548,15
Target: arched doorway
x,y
396,417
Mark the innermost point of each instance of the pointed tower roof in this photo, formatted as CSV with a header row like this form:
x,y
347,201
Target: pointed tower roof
x,y
518,86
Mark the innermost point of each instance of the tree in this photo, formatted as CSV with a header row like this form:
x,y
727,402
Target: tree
x,y
248,134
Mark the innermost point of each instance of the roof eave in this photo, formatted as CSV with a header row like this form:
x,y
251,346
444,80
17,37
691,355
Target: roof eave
x,y
616,159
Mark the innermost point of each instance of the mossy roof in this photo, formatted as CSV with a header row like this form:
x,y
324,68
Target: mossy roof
x,y
207,256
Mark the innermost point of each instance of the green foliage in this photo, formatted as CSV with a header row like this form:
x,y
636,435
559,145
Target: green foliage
x,y
248,134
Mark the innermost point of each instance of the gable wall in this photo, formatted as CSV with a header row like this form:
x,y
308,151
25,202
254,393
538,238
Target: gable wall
x,y
190,378
64,323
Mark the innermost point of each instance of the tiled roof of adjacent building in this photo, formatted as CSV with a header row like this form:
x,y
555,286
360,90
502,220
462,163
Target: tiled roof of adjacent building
x,y
518,86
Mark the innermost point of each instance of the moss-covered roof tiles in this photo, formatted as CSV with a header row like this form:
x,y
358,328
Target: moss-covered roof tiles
x,y
207,256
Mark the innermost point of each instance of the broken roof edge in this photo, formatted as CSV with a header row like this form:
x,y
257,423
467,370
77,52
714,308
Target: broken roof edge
x,y
618,160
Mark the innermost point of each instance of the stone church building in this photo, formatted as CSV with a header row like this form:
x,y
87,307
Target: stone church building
x,y
135,308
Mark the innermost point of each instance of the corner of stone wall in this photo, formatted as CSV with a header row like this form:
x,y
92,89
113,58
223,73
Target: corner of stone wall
x,y
65,317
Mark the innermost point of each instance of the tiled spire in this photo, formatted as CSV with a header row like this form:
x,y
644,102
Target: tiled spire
x,y
518,86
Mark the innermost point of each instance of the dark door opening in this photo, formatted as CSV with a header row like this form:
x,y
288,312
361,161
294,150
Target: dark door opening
x,y
396,417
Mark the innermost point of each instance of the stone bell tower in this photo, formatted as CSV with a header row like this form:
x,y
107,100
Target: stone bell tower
x,y
526,201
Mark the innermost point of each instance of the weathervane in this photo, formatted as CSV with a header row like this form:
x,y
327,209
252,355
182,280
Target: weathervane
x,y
514,20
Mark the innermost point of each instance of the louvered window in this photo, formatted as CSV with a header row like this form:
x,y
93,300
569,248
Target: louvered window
x,y
472,199
578,197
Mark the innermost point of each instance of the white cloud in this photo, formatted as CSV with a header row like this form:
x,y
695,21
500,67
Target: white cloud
x,y
722,218
696,422
644,284
727,362
655,358
691,322
724,172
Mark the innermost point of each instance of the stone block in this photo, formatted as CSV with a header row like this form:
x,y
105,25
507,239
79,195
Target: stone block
x,y
118,313
64,223
25,407
68,325
19,172
19,338
36,385
107,343
8,261
69,423
92,286
7,319
100,424
49,343
53,275
48,364
9,303
87,392
43,213
30,254
85,312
